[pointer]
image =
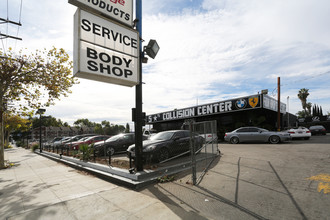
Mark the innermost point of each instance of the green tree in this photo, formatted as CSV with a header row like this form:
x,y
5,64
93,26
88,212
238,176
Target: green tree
x,y
98,128
127,129
14,123
302,95
32,81
47,121
83,122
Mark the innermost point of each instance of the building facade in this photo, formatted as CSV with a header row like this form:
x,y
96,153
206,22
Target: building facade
x,y
255,110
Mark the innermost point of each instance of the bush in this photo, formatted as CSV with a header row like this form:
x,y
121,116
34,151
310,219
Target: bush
x,y
34,147
86,151
19,143
7,146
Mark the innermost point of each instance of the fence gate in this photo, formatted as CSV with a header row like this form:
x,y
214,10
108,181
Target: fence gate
x,y
202,155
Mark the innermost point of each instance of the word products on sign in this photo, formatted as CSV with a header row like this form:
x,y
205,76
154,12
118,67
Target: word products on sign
x,y
120,10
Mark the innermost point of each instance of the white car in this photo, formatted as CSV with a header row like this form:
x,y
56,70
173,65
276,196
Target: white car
x,y
300,132
209,138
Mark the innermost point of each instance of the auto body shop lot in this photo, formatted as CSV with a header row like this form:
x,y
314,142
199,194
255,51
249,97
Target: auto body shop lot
x,y
258,181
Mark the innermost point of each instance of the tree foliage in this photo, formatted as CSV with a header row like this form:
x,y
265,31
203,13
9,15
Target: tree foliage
x,y
14,123
48,121
37,79
302,95
32,81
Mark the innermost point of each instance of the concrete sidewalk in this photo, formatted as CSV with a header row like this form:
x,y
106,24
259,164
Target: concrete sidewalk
x,y
39,188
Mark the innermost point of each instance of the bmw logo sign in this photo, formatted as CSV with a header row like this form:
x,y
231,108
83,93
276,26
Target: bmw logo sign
x,y
241,103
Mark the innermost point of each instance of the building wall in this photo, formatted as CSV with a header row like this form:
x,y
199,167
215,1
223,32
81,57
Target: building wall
x,y
227,122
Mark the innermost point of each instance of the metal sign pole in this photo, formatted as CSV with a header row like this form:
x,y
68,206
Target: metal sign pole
x,y
138,94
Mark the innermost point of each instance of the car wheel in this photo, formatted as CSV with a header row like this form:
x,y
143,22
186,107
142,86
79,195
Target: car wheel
x,y
163,154
234,140
110,151
274,139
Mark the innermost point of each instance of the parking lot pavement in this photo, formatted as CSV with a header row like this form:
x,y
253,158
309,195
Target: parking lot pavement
x,y
258,181
39,188
249,181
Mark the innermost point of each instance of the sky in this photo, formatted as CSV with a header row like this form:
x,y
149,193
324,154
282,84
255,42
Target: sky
x,y
210,50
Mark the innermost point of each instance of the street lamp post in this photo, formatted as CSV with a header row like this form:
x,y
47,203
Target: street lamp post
x,y
40,112
288,112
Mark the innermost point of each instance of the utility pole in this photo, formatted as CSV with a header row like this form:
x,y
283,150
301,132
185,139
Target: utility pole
x,y
278,104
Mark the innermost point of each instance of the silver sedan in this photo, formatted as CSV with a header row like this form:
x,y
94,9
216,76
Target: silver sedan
x,y
254,134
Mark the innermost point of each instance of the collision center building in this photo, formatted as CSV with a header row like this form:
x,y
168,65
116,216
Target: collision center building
x,y
255,110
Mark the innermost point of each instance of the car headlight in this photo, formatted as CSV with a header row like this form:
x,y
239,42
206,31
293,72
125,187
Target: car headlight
x,y
150,148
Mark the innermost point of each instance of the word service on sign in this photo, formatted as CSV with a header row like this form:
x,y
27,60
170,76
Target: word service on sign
x,y
96,30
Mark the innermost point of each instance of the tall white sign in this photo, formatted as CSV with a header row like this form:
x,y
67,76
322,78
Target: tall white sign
x,y
105,51
120,10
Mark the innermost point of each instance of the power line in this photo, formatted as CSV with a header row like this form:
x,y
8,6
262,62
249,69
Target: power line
x,y
311,77
19,21
7,22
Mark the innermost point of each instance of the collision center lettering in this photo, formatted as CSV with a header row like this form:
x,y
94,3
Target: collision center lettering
x,y
199,111
203,110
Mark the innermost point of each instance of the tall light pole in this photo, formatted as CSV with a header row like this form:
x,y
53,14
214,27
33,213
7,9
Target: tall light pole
x,y
278,104
151,50
40,112
288,99
138,95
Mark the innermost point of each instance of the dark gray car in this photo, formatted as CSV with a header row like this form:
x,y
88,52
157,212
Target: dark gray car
x,y
255,134
166,144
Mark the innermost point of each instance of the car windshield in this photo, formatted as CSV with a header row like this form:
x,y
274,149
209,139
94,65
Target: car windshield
x,y
114,138
317,127
162,136
84,139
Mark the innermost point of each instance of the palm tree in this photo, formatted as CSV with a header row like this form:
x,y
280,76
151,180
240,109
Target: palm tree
x,y
302,95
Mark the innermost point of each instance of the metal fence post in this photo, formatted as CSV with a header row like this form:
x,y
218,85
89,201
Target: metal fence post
x,y
192,150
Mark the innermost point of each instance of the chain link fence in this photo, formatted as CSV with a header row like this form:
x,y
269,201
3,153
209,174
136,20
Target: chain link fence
x,y
202,158
193,148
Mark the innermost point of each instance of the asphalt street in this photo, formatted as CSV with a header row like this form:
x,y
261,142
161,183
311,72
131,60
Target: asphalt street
x,y
249,181
258,181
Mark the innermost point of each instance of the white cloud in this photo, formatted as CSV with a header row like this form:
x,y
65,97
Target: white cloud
x,y
209,50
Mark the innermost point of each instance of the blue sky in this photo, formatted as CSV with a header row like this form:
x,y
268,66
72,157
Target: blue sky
x,y
211,50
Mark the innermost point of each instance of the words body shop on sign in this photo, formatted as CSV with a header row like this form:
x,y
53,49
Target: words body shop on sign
x,y
104,65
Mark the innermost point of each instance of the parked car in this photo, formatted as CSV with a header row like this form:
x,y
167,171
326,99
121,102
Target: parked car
x,y
115,144
166,144
58,143
255,134
318,129
209,138
68,142
51,142
87,140
300,132
149,133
